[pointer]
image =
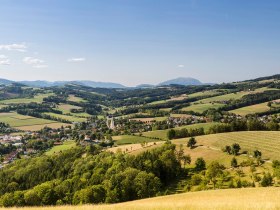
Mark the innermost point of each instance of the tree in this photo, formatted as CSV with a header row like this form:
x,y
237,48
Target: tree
x,y
200,164
266,180
233,162
191,142
227,149
235,148
258,156
171,134
186,159
214,170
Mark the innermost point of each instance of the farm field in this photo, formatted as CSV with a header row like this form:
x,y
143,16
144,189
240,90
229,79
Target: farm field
x,y
129,139
268,142
200,108
229,199
162,134
17,120
75,99
66,117
38,99
66,145
257,108
54,125
65,108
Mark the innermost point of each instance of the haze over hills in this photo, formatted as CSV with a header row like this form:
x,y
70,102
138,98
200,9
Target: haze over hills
x,y
42,83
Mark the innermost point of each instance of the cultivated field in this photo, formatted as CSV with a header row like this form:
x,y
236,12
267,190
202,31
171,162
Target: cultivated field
x,y
75,99
201,107
128,139
67,117
38,99
257,108
268,142
54,125
230,199
17,120
66,145
162,134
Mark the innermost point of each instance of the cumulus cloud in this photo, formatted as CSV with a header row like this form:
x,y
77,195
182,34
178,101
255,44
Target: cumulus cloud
x,y
76,59
15,47
181,66
34,62
4,60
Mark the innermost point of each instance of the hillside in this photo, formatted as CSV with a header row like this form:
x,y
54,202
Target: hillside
x,y
232,199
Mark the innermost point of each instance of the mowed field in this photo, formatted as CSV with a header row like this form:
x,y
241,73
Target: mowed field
x,y
268,142
65,146
257,108
229,199
201,107
67,117
23,122
38,99
129,139
162,134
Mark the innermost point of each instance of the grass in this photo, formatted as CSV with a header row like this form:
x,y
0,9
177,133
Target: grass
x,y
17,120
200,108
65,108
65,146
66,117
229,199
162,134
38,99
75,99
54,125
257,108
268,142
128,139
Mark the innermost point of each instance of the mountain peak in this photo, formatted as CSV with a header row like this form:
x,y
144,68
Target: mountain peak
x,y
182,81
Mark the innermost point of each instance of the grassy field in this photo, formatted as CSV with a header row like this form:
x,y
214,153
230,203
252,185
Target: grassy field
x,y
66,117
54,125
65,108
268,142
230,199
66,145
17,120
128,139
28,123
162,134
200,108
37,99
257,108
75,99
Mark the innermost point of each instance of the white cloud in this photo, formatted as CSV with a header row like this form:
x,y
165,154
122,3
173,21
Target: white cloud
x,y
181,66
76,59
16,47
40,66
4,60
35,62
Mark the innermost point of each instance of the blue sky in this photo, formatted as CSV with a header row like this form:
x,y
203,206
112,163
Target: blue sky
x,y
139,41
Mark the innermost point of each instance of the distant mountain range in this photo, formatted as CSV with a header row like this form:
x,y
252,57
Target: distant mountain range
x,y
42,83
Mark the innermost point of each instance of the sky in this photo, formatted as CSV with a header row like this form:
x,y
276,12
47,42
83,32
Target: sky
x,y
139,41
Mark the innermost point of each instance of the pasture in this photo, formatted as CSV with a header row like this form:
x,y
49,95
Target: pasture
x,y
28,123
38,99
201,107
65,146
253,109
162,134
75,99
268,142
129,139
17,120
66,117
